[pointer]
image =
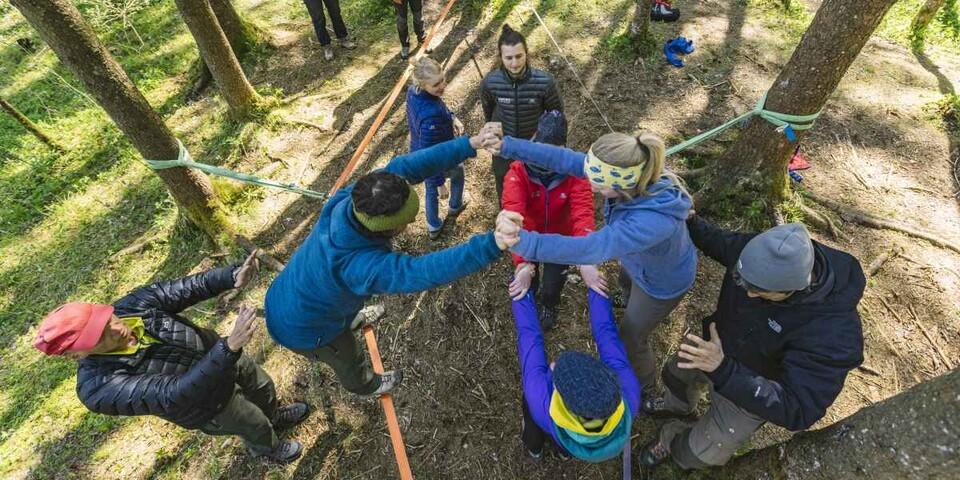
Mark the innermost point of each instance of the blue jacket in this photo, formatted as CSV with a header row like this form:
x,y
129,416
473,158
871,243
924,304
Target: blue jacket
x,y
336,269
785,362
648,234
430,121
537,378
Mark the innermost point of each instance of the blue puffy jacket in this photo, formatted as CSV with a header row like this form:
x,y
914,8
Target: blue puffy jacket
x,y
430,121
337,268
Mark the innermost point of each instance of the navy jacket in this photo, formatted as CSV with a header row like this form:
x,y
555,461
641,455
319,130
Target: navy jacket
x,y
430,121
784,361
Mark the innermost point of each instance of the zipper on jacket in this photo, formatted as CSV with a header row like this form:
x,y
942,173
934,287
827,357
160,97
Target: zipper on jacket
x,y
516,109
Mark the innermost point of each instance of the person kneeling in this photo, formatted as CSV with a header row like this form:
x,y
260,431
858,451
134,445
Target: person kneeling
x,y
140,357
585,405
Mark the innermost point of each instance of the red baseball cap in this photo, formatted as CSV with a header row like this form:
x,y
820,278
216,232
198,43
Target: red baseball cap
x,y
72,327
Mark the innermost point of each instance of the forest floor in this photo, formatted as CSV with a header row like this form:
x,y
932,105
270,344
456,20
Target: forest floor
x,y
881,146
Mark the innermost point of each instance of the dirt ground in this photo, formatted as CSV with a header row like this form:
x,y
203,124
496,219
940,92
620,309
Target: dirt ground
x,y
459,403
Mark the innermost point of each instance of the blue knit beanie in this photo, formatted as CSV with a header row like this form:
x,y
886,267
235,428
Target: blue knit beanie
x,y
552,128
588,388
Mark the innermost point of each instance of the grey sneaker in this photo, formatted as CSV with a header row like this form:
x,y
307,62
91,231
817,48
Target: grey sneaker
x,y
367,316
388,381
404,52
285,452
290,415
327,52
347,43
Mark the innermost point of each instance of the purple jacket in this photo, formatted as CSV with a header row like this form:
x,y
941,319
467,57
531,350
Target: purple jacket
x,y
535,373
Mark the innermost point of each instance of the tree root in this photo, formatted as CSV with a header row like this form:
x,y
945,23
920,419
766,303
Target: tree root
x,y
266,258
867,220
137,247
822,222
879,261
693,173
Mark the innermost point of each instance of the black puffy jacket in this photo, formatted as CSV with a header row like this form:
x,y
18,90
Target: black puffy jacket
x,y
186,378
519,103
785,362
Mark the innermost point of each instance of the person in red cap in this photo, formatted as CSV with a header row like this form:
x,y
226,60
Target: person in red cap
x,y
139,356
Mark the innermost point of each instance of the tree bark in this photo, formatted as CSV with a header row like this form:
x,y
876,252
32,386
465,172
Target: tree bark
x,y
218,56
918,28
640,34
756,165
29,125
59,23
914,434
241,36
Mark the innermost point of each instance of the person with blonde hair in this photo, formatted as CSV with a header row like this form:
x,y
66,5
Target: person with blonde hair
x,y
645,208
431,122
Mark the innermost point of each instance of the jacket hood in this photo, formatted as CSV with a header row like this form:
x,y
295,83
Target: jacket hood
x,y
837,286
596,449
663,197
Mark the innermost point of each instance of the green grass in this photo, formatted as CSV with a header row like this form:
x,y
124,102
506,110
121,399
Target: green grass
x,y
943,32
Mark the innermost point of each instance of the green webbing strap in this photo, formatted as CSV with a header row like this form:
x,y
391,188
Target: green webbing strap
x,y
183,160
781,120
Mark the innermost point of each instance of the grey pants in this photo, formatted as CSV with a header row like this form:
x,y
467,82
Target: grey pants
x,y
713,438
250,411
643,314
343,354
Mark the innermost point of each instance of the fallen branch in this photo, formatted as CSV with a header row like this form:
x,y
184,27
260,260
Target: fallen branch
x,y
868,220
870,370
136,247
943,357
879,261
263,256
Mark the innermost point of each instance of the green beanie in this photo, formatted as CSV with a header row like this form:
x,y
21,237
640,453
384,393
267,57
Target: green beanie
x,y
393,221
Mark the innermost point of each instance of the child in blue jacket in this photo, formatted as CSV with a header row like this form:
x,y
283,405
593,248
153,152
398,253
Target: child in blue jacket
x,y
585,405
645,207
431,122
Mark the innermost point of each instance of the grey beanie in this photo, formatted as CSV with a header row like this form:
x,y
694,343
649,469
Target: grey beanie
x,y
778,260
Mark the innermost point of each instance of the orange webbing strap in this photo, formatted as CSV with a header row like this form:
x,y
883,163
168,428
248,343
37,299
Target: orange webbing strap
x,y
355,159
386,400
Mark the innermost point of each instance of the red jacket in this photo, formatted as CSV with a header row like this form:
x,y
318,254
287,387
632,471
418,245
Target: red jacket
x,y
565,209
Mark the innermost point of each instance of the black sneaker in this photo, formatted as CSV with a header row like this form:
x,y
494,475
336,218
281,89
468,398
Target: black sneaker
x,y
388,381
548,317
657,407
653,454
290,415
285,452
404,52
663,11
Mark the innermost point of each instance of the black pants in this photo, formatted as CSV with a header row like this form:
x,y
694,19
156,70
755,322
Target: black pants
x,y
315,7
549,289
416,7
530,434
500,167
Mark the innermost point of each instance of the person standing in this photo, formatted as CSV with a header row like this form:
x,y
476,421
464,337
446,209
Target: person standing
x,y
315,8
416,8
516,95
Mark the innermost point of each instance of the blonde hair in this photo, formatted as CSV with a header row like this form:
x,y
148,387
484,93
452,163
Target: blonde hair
x,y
425,69
646,150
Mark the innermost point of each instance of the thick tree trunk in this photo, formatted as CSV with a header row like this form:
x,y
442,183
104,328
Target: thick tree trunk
x,y
29,125
241,36
915,434
756,165
918,28
59,23
218,56
643,41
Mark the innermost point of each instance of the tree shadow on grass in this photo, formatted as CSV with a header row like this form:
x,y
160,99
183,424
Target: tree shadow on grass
x,y
946,87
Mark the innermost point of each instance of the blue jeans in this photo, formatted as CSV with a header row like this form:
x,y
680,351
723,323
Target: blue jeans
x,y
433,197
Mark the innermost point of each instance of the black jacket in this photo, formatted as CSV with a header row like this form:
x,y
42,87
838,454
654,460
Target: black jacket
x,y
784,361
186,378
518,103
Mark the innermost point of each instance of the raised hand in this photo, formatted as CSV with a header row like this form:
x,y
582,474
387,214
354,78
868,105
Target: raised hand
x,y
246,272
243,328
701,354
522,278
594,279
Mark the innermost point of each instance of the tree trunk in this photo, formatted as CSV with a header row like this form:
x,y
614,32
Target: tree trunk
x,y
640,35
918,28
218,56
241,36
29,125
756,165
914,434
59,23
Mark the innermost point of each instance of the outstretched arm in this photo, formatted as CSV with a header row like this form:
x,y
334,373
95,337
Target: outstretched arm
x,y
610,347
174,296
417,166
558,159
534,369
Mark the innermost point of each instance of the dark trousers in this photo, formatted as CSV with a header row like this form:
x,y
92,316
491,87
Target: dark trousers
x,y
416,7
249,413
548,284
500,167
315,7
343,355
530,434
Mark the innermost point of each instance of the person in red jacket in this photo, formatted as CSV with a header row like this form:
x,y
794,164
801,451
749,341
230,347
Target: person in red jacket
x,y
550,203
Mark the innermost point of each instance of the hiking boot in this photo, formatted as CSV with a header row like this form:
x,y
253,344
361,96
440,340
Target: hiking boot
x,y
367,316
347,43
548,317
327,52
285,452
404,52
388,381
657,407
663,11
653,454
290,415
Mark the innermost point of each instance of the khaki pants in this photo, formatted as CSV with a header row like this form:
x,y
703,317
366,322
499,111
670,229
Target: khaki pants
x,y
343,354
250,411
713,438
644,313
